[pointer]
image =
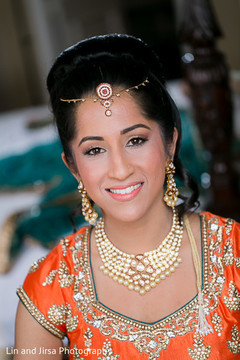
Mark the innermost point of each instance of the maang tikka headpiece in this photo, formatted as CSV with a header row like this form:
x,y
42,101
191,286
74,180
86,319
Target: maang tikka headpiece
x,y
105,95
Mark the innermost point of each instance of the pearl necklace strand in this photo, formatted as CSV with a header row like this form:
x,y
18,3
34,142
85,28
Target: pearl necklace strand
x,y
140,272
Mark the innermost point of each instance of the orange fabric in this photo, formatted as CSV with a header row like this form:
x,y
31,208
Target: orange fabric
x,y
61,288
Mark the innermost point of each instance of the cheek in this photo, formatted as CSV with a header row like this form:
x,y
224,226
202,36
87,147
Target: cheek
x,y
158,170
90,173
155,161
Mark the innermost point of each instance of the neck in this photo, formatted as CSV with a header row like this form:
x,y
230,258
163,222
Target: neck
x,y
139,236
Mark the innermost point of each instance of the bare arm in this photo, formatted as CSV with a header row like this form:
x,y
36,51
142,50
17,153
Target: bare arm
x,y
33,338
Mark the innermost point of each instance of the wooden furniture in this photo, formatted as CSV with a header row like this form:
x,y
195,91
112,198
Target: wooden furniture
x,y
207,74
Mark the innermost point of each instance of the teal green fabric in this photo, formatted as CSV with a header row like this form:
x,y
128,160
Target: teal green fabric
x,y
192,150
48,220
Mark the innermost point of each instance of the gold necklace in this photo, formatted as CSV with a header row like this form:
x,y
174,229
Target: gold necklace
x,y
140,272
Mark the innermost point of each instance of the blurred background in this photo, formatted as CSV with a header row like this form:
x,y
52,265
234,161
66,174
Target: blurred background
x,y
198,44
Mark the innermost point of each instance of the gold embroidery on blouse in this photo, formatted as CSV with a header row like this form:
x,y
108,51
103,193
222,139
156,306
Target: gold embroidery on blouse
x,y
76,352
152,338
200,350
38,315
64,243
50,278
78,261
233,299
149,338
214,274
88,334
35,265
237,262
71,322
228,257
57,314
62,314
234,345
228,226
65,279
107,352
217,321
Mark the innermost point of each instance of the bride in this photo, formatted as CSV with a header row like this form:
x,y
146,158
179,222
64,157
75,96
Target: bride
x,y
148,278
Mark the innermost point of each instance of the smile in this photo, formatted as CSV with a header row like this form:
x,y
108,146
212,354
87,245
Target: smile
x,y
126,193
127,190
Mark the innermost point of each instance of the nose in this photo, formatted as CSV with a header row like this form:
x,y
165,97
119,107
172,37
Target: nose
x,y
120,166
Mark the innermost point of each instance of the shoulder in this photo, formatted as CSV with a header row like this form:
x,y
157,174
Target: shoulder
x,y
64,258
67,245
214,222
207,225
49,286
225,231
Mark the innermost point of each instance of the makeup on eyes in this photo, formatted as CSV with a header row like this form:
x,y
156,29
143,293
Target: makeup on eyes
x,y
135,141
95,145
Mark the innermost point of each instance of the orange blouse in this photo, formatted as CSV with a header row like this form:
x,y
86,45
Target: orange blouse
x,y
60,294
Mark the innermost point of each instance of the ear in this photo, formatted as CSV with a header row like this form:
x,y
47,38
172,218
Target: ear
x,y
70,168
172,147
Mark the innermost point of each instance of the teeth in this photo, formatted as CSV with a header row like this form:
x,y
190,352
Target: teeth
x,y
128,190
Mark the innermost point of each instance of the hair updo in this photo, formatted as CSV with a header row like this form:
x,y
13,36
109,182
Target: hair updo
x,y
123,61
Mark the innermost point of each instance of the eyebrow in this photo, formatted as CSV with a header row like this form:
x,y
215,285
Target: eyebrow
x,y
87,138
122,132
134,127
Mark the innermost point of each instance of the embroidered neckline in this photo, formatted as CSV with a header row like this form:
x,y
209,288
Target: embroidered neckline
x,y
150,338
104,308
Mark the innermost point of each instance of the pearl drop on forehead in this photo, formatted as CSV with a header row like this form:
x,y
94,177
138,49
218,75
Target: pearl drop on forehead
x,y
104,91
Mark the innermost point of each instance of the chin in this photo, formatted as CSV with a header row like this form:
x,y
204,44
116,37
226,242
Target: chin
x,y
128,216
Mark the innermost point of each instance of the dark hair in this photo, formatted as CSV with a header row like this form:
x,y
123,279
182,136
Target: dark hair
x,y
123,61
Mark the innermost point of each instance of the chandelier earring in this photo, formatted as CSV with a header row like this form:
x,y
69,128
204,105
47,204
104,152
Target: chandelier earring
x,y
171,194
90,215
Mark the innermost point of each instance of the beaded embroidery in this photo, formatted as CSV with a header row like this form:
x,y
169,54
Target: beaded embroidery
x,y
63,315
234,345
35,265
150,339
217,321
65,279
38,315
200,351
232,301
156,337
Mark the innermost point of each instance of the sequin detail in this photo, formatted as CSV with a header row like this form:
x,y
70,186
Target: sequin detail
x,y
148,339
107,352
200,351
35,265
62,314
217,321
64,277
234,344
38,315
232,301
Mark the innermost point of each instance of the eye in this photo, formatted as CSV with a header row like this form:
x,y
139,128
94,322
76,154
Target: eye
x,y
136,141
94,151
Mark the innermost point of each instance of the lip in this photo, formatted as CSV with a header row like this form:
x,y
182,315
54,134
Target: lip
x,y
128,196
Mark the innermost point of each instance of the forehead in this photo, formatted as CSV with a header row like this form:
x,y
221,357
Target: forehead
x,y
90,116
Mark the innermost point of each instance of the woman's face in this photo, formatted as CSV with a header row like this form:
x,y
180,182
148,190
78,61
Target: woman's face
x,y
121,159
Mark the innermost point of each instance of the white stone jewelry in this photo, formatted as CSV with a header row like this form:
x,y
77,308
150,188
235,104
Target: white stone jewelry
x,y
140,272
88,212
106,96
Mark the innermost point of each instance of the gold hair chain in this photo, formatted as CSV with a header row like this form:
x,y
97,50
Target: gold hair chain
x,y
106,96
